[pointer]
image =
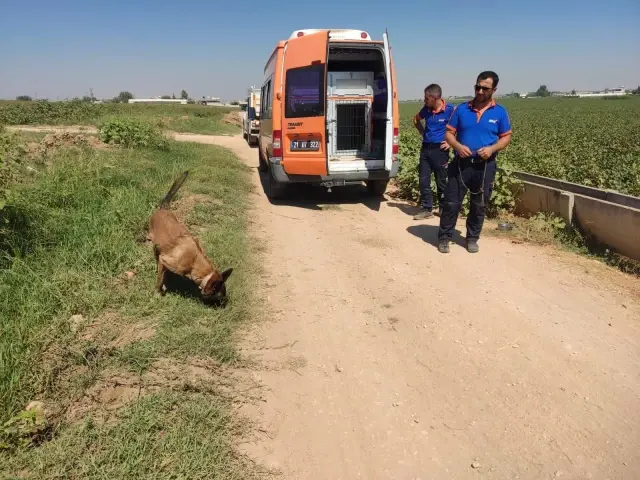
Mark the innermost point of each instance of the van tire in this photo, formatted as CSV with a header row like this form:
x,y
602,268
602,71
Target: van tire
x,y
262,163
377,187
275,189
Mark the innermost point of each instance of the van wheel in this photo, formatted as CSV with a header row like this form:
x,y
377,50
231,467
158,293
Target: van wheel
x,y
377,187
275,189
262,163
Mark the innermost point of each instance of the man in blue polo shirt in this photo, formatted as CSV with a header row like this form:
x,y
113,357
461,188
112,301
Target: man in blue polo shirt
x,y
477,131
434,154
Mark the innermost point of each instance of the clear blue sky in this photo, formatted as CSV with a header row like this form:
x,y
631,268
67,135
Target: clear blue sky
x,y
61,49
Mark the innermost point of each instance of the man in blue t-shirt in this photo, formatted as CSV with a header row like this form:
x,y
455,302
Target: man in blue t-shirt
x,y
477,131
434,154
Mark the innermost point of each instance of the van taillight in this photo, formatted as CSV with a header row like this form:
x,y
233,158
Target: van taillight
x,y
277,144
395,142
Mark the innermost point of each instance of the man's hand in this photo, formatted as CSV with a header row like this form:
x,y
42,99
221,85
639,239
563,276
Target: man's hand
x,y
485,152
463,151
444,145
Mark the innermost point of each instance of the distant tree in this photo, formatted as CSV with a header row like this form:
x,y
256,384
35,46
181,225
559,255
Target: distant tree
x,y
636,91
543,91
87,99
573,92
24,98
165,97
124,97
234,102
184,95
173,96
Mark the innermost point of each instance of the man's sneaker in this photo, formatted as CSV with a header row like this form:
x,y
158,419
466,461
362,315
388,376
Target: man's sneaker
x,y
443,246
423,215
472,246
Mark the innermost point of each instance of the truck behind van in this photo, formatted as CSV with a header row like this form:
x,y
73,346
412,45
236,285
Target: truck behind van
x,y
329,113
251,119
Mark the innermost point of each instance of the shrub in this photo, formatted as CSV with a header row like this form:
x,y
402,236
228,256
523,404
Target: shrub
x,y
132,133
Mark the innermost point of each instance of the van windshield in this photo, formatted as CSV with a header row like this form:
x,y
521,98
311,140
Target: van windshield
x,y
305,92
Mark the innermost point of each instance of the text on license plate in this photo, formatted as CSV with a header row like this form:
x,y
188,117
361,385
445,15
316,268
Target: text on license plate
x,y
309,145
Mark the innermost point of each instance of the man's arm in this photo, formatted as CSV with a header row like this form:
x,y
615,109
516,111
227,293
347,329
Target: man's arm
x,y
504,138
417,121
445,145
501,144
450,136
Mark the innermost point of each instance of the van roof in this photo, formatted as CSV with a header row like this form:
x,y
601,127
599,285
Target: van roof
x,y
334,34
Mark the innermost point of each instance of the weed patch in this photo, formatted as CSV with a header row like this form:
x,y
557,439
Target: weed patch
x,y
132,134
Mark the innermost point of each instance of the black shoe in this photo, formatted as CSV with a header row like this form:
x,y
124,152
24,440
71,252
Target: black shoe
x,y
472,246
443,246
423,215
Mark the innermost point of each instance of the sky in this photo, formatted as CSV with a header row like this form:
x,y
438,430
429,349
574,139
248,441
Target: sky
x,y
63,49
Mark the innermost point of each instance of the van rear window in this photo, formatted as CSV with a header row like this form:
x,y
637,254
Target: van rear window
x,y
305,92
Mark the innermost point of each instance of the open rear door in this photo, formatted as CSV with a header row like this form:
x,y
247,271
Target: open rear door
x,y
391,134
304,137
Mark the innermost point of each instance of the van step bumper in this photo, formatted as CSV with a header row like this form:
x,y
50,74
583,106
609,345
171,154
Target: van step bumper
x,y
337,179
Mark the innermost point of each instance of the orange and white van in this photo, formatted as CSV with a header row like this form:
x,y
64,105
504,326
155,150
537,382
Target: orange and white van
x,y
329,113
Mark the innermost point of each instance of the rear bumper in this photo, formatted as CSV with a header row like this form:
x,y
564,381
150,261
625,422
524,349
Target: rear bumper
x,y
281,176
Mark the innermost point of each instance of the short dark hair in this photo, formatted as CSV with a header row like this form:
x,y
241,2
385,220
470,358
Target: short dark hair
x,y
489,74
433,90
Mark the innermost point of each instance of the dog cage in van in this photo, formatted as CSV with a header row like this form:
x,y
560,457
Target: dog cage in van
x,y
349,115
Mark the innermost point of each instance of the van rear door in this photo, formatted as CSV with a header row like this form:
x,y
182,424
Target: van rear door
x,y
305,90
391,143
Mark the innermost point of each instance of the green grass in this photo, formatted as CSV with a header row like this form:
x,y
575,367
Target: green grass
x,y
178,118
172,435
66,238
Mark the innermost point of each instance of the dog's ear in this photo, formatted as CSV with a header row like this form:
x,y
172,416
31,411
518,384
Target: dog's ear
x,y
226,274
212,285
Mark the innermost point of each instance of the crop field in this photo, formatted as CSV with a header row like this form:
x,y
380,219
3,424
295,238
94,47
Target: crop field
x,y
178,118
593,142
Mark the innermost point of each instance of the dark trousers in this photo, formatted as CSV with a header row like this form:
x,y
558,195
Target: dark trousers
x,y
432,159
471,175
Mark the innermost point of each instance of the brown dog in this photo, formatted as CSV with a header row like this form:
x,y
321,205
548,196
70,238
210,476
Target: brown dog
x,y
178,251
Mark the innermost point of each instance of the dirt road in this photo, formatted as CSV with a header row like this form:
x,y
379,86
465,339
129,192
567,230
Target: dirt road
x,y
388,360
385,359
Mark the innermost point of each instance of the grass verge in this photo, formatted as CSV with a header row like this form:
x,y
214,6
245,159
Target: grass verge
x,y
128,381
178,118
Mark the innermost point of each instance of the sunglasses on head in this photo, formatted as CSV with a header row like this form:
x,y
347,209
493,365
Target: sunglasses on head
x,y
482,89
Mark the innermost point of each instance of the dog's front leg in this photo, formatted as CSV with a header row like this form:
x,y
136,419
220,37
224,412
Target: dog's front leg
x,y
160,278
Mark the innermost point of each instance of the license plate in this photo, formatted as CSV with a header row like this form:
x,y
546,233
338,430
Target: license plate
x,y
305,145
334,183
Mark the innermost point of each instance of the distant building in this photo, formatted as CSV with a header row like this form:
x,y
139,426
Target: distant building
x,y
180,101
607,92
210,101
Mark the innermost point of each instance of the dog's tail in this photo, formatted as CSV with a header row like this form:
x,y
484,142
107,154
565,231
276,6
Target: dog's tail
x,y
166,200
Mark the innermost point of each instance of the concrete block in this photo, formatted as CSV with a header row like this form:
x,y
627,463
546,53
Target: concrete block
x,y
532,198
616,226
